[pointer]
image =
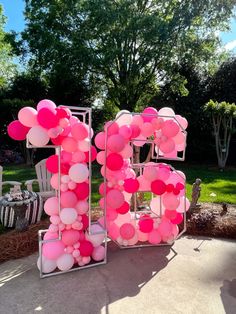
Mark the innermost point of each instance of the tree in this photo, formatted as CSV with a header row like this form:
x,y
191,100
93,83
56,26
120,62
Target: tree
x,y
128,46
7,67
222,115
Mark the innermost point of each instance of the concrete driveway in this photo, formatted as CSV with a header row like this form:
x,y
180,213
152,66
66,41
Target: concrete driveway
x,y
198,275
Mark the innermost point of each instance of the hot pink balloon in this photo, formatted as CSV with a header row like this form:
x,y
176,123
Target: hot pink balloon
x,y
52,164
125,131
17,131
111,127
127,231
149,113
131,185
86,248
47,118
114,161
146,224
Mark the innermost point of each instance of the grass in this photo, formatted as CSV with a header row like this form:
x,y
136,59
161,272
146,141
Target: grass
x,y
223,184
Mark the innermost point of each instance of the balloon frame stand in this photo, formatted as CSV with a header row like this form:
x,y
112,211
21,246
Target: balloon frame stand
x,y
156,155
86,114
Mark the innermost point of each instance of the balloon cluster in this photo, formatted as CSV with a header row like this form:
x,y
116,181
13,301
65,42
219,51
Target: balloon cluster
x,y
58,126
160,224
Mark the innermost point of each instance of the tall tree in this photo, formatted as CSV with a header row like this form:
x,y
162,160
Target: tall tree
x,y
128,46
7,67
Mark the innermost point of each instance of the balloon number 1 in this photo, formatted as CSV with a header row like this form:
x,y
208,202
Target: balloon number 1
x,y
74,240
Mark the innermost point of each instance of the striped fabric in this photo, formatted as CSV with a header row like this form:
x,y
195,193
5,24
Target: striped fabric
x,y
33,213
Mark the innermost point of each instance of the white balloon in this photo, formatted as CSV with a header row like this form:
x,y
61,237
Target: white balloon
x,y
166,111
48,265
78,173
124,117
84,145
68,215
97,235
38,136
65,262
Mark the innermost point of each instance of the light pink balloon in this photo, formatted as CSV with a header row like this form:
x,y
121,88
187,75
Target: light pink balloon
x,y
51,206
180,138
68,199
183,202
170,128
78,157
82,207
170,201
127,151
154,237
116,143
98,253
182,121
52,250
150,172
114,231
100,140
125,131
80,131
46,103
147,129
165,228
142,237
115,199
84,145
68,215
140,141
54,181
167,146
65,262
38,136
78,173
69,144
48,265
144,184
28,116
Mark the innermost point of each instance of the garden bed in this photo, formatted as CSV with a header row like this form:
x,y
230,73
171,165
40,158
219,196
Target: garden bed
x,y
208,220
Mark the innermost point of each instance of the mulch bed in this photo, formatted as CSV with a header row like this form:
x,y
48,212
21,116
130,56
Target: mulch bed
x,y
207,220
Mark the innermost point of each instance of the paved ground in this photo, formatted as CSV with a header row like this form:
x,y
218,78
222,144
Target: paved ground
x,y
199,277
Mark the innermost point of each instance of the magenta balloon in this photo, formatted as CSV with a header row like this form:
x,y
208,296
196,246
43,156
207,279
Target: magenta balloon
x,y
170,128
80,131
47,118
53,250
146,224
17,131
28,116
158,187
131,185
115,199
151,111
127,231
114,161
46,103
116,143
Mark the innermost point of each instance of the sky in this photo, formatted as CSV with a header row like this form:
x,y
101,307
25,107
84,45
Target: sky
x,y
13,9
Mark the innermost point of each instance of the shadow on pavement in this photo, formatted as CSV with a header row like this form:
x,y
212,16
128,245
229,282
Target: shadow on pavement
x,y
85,291
228,296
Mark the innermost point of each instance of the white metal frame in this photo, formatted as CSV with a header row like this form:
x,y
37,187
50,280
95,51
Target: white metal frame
x,y
86,114
141,166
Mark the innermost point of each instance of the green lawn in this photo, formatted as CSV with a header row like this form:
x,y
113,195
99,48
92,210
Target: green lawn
x,y
223,184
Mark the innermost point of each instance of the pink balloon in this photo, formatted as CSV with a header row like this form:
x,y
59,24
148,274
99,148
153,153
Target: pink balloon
x,y
114,161
52,164
165,227
178,219
82,207
163,172
116,143
182,121
51,206
115,199
154,237
180,138
98,253
125,131
170,201
54,181
46,103
157,123
101,157
142,237
127,151
80,131
78,157
127,231
150,172
135,130
147,129
100,140
113,231
170,128
123,209
167,146
47,118
38,136
53,250
66,156
184,203
149,113
69,144
111,127
17,131
144,185
93,154
111,214
55,220
50,235
28,116
68,199
70,237
131,185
